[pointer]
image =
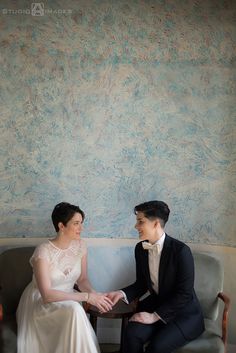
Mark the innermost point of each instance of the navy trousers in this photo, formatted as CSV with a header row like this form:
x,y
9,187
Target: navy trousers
x,y
160,338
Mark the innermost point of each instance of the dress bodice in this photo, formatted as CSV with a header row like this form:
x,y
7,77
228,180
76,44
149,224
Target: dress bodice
x,y
64,265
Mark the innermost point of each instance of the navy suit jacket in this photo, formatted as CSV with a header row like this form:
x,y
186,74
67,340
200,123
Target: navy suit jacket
x,y
176,300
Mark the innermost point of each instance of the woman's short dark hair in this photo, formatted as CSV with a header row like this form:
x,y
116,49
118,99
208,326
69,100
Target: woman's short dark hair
x,y
153,210
63,212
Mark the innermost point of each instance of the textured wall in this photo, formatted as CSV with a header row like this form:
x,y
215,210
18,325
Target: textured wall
x,y
112,103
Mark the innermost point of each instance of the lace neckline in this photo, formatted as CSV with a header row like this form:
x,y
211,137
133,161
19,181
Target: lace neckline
x,y
56,247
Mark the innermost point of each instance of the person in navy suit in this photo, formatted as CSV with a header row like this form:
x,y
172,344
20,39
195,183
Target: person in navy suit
x,y
170,315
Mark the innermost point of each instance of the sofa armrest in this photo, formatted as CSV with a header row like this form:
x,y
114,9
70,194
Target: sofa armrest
x,y
1,312
226,301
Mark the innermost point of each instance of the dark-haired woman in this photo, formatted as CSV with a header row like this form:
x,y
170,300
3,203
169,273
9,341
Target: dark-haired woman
x,y
50,316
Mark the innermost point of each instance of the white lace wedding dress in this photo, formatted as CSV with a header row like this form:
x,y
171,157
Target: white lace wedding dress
x,y
58,327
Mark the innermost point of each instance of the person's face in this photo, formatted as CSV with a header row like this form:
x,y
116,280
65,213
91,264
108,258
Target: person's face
x,y
146,228
73,227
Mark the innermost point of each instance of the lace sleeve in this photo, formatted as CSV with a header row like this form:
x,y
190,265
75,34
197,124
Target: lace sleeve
x,y
41,252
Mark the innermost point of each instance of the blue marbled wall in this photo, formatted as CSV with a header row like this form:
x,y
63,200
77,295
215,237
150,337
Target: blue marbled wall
x,y
111,103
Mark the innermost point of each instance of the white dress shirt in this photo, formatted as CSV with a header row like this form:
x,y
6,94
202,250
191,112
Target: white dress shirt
x,y
154,262
154,256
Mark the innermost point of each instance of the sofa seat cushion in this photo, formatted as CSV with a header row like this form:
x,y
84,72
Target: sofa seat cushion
x,y
15,274
209,341
8,338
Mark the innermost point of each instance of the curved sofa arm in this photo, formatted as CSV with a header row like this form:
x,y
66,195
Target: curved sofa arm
x,y
226,301
1,312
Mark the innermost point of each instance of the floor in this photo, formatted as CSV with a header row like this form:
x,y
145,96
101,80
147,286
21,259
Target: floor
x,y
231,348
109,348
114,348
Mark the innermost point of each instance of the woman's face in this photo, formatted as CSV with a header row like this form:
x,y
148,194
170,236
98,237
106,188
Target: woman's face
x,y
73,227
145,227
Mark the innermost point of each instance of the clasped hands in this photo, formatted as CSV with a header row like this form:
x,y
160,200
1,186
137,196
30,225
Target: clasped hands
x,y
105,302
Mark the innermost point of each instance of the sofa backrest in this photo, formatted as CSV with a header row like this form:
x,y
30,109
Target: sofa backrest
x,y
15,274
209,278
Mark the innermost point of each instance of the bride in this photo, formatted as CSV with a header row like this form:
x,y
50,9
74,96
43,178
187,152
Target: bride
x,y
50,316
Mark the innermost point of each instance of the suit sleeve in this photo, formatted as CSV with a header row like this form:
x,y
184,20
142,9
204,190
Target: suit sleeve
x,y
182,291
139,287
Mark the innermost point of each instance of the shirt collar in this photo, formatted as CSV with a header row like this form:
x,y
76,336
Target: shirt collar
x,y
161,240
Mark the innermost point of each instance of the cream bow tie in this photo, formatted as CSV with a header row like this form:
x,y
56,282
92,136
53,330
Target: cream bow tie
x,y
148,246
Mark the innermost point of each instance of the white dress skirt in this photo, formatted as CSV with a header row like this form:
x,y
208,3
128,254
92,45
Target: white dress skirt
x,y
57,327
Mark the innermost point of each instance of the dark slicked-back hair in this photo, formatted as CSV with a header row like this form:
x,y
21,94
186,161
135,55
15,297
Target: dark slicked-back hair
x,y
153,210
63,212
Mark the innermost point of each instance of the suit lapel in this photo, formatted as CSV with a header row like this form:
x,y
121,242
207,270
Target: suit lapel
x,y
146,267
164,259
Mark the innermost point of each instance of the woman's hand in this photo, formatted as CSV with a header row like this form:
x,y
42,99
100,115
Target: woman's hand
x,y
101,301
115,296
